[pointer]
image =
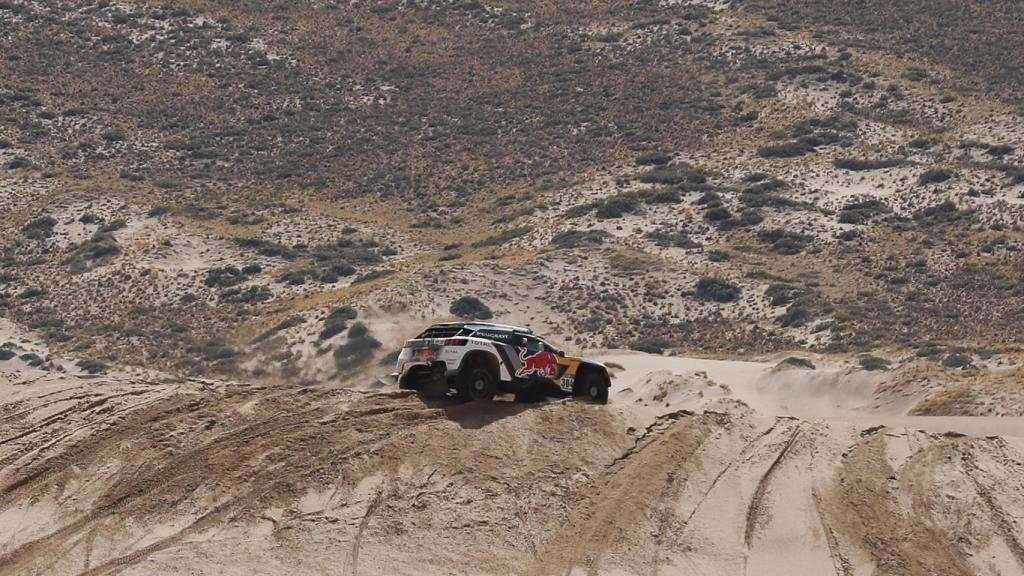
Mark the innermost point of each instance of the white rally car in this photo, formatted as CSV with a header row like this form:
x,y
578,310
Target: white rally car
x,y
478,360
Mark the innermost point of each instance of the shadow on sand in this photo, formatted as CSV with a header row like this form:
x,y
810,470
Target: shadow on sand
x,y
475,415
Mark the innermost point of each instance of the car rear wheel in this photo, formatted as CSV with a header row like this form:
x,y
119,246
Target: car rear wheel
x,y
479,384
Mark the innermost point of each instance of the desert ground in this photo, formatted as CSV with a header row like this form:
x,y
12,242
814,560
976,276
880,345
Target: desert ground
x,y
792,230
696,466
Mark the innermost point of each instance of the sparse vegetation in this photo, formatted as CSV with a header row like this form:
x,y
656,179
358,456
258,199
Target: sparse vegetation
x,y
857,164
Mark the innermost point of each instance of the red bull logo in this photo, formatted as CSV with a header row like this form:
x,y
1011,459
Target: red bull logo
x,y
543,364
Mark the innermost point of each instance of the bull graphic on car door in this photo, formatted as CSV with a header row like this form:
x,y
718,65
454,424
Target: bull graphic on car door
x,y
540,364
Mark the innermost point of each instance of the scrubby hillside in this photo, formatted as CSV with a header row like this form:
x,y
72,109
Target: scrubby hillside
x,y
792,229
199,187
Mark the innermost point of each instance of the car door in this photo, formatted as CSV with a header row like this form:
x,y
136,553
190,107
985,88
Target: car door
x,y
536,361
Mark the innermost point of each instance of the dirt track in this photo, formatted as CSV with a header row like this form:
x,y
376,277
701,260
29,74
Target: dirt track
x,y
137,477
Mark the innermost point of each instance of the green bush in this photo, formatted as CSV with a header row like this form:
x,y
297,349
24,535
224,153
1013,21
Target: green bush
x,y
357,350
470,307
372,275
18,162
717,290
503,237
337,321
245,294
785,150
100,246
782,294
289,322
783,241
857,164
348,251
223,277
710,199
873,363
617,206
267,248
999,150
717,213
651,345
92,366
675,238
945,211
799,313
39,228
653,159
750,217
797,362
862,212
579,239
663,196
934,176
957,360
214,349
32,359
674,174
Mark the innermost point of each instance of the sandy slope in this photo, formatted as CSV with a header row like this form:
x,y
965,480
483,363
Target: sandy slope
x,y
132,475
832,389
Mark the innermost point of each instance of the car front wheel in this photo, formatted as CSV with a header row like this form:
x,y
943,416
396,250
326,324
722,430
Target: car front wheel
x,y
595,388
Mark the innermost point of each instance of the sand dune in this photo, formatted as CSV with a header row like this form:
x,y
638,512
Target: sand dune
x,y
137,476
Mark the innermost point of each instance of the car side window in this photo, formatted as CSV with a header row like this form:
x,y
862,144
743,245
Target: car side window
x,y
533,344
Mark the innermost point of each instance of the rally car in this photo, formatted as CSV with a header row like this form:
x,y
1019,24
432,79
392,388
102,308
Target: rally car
x,y
477,360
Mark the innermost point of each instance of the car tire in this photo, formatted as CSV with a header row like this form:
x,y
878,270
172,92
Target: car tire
x,y
479,384
595,388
